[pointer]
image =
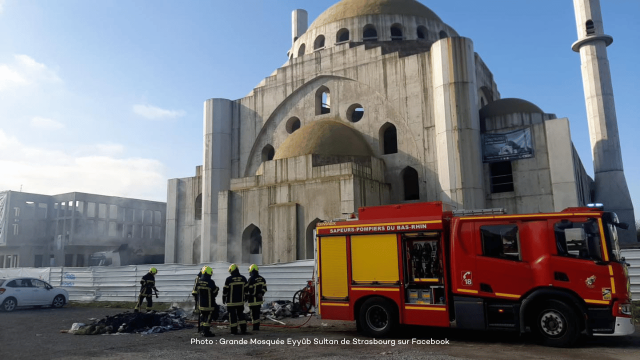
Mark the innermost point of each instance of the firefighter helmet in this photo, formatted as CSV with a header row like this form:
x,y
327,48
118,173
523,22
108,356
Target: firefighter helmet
x,y
203,269
233,267
253,267
207,270
153,270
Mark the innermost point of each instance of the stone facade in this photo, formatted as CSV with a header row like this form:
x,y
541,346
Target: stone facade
x,y
380,102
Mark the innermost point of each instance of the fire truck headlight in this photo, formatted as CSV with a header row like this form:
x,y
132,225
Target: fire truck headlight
x,y
624,309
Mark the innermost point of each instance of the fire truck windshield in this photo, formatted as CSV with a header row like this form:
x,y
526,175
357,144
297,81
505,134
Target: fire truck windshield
x,y
611,235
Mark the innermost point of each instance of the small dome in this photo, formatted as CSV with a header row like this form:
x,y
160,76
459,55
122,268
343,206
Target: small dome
x,y
509,106
324,137
351,8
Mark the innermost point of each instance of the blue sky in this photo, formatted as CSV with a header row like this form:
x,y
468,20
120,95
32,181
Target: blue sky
x,y
107,96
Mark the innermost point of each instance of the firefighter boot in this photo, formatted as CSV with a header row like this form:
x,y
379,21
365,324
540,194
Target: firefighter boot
x,y
256,327
243,328
234,330
206,332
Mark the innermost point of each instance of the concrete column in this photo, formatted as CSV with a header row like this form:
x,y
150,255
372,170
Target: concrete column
x,y
223,225
610,183
171,232
299,24
561,164
216,169
457,123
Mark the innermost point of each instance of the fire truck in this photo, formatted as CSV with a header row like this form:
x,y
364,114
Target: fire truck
x,y
557,275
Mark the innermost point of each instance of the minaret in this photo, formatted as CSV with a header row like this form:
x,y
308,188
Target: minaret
x,y
610,184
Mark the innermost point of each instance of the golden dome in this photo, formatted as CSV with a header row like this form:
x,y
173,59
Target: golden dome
x,y
351,8
324,137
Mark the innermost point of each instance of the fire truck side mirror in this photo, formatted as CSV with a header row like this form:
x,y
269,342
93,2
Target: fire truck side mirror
x,y
622,225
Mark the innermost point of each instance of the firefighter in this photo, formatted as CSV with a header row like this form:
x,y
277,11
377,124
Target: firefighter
x,y
233,296
148,286
194,292
256,288
207,291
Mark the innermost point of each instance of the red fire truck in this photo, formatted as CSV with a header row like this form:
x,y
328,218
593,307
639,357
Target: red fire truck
x,y
556,274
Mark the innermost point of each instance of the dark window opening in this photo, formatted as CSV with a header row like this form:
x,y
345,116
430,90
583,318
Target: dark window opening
x,y
268,153
443,34
198,208
68,260
411,184
422,32
323,101
255,242
369,33
37,261
389,139
292,125
319,43
501,177
355,113
301,50
501,241
342,36
396,32
80,260
591,29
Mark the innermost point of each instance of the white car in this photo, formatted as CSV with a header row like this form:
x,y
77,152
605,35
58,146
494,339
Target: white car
x,y
16,292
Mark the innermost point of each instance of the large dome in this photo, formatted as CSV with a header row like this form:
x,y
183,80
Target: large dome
x,y
508,106
351,8
324,137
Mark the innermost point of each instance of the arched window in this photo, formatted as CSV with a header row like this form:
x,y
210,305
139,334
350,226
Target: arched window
x,y
323,101
301,50
396,32
251,245
293,124
198,208
591,29
319,43
342,35
369,33
422,32
389,137
443,34
411,183
305,251
267,153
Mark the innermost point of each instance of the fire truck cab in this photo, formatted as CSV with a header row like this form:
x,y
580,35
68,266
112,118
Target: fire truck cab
x,y
556,274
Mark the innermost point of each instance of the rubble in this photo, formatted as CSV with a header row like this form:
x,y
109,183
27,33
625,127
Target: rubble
x,y
140,323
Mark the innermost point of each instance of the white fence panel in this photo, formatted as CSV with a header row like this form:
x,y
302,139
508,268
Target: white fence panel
x,y
174,281
632,256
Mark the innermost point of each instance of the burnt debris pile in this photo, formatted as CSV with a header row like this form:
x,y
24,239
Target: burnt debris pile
x,y
141,323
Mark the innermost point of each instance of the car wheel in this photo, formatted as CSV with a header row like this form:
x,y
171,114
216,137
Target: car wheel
x,y
378,318
557,324
58,301
9,304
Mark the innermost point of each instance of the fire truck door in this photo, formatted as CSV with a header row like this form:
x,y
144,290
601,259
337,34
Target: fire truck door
x,y
500,269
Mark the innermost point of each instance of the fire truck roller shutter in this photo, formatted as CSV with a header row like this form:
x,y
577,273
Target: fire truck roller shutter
x,y
333,267
374,258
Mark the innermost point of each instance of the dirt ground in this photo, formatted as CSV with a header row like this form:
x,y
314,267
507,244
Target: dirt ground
x,y
35,334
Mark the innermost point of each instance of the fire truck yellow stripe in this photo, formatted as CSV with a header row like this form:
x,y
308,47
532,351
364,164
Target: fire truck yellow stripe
x,y
613,286
468,291
333,304
523,216
425,308
508,295
375,289
376,224
610,270
596,301
604,244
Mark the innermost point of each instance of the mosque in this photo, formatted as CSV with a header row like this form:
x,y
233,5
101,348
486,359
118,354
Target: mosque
x,y
382,102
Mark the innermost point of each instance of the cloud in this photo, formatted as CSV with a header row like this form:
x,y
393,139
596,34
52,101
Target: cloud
x,y
45,124
154,112
49,171
25,71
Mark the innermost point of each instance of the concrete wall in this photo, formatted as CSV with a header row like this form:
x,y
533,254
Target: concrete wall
x,y
182,220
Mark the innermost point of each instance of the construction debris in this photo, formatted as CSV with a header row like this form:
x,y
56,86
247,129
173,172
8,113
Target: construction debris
x,y
140,323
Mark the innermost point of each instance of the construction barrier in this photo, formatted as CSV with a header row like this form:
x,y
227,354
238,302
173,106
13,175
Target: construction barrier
x,y
174,281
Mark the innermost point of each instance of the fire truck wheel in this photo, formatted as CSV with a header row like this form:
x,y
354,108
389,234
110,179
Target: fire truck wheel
x,y
556,324
377,317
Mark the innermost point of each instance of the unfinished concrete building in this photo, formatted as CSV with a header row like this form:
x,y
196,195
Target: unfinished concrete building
x,y
76,229
379,102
